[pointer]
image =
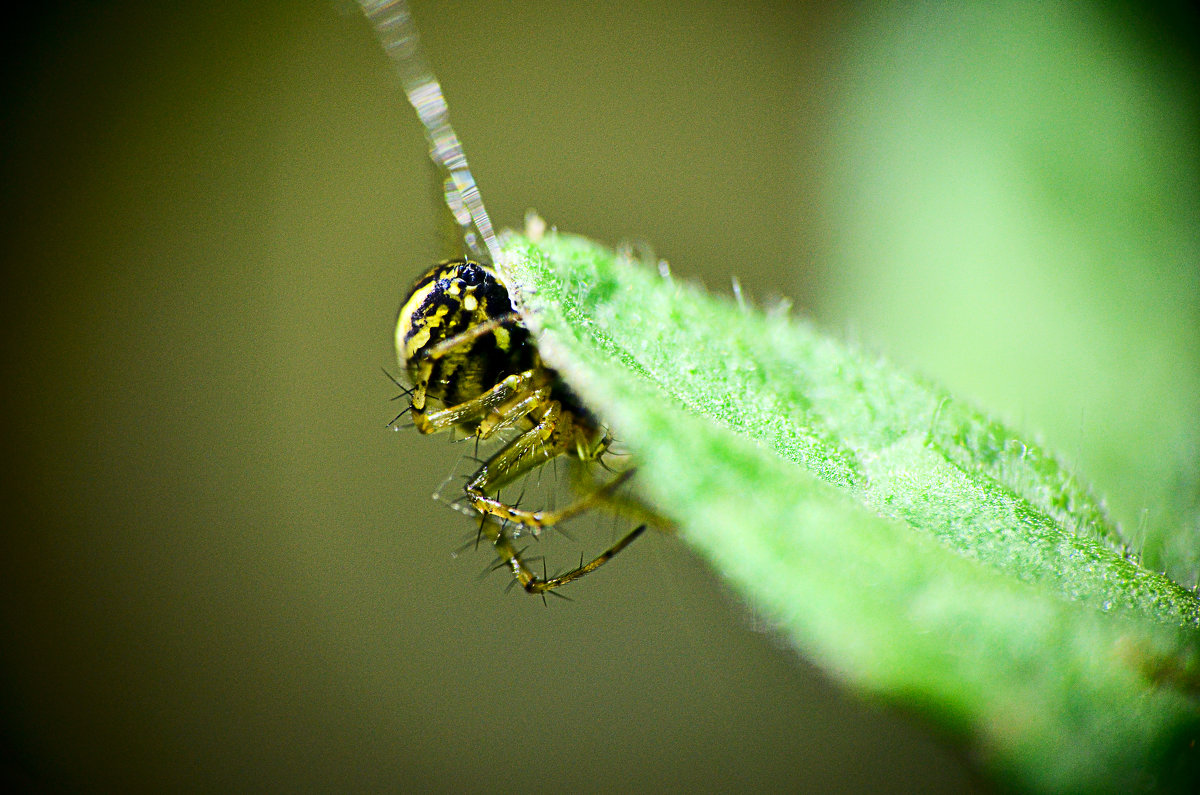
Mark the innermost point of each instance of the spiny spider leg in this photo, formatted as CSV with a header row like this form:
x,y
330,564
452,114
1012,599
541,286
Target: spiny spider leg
x,y
511,557
533,448
491,402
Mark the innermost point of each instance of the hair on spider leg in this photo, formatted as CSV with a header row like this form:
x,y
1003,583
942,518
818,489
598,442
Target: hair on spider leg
x,y
496,564
392,424
479,535
471,540
616,450
557,593
504,563
605,466
520,497
544,579
474,459
552,591
405,391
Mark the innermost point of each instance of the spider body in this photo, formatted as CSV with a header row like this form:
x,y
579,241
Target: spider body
x,y
453,301
475,367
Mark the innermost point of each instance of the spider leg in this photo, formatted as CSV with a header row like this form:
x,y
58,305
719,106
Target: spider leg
x,y
543,442
491,402
511,557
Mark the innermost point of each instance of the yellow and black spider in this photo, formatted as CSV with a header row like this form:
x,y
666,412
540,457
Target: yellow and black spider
x,y
466,350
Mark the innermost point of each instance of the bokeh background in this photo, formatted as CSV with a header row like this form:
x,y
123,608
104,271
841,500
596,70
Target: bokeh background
x,y
220,571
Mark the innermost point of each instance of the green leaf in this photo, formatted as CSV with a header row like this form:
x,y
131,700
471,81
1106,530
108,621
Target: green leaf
x,y
911,546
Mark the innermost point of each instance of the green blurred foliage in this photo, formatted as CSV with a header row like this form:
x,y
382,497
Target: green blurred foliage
x,y
1014,208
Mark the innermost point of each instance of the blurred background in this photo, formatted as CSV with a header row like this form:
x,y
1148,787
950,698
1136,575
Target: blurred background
x,y
222,571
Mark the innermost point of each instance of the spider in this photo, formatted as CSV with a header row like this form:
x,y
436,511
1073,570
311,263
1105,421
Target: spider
x,y
464,346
